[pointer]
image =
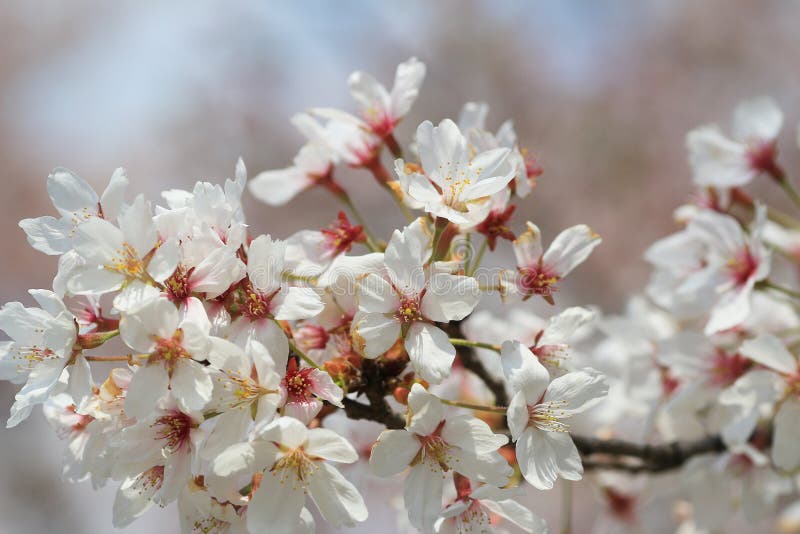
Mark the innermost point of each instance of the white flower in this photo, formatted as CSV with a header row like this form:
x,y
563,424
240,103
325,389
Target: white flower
x,y
304,390
41,346
455,184
313,165
294,459
433,444
266,297
381,110
539,270
408,301
720,161
113,256
76,202
472,510
538,412
776,382
173,348
156,461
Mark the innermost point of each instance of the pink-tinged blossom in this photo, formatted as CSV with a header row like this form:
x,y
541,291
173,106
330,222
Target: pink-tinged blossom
x,y
408,301
303,391
538,270
721,161
431,445
294,460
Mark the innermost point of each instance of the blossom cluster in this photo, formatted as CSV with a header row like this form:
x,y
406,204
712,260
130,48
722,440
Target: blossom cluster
x,y
266,384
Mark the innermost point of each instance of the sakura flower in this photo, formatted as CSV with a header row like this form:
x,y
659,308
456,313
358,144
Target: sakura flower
x,y
381,110
305,389
76,203
456,183
474,507
778,382
293,458
431,445
538,412
472,121
313,165
733,262
113,256
173,348
721,161
540,270
200,512
266,297
408,301
156,461
309,253
41,347
247,389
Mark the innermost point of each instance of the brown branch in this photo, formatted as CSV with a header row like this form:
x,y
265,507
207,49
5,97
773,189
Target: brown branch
x,y
618,455
471,362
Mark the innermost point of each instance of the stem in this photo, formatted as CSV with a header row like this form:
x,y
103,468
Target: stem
x,y
785,290
791,192
476,407
478,258
438,230
566,507
303,356
347,201
394,146
383,177
127,358
458,342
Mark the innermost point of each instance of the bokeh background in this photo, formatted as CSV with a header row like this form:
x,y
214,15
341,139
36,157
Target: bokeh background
x,y
601,92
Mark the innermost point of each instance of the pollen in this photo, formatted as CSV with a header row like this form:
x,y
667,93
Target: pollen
x,y
547,416
409,309
295,467
126,261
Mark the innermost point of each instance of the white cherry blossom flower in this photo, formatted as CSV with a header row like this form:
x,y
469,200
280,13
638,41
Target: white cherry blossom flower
x,y
538,270
538,414
76,202
295,460
721,161
456,184
432,444
408,301
173,348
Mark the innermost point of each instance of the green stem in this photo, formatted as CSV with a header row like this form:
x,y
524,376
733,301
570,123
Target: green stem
x,y
458,342
791,192
477,407
478,258
566,510
438,229
303,356
785,290
394,146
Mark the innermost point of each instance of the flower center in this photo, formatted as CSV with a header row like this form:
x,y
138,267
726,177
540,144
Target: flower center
x,y
727,368
295,466
244,389
408,309
257,305
178,284
434,450
547,416
298,384
28,357
174,428
742,266
538,280
169,350
126,261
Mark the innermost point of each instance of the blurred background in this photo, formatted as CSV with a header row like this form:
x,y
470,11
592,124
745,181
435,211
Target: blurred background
x,y
601,93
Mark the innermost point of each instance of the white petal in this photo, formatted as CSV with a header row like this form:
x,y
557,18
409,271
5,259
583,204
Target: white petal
x,y
544,456
422,494
560,328
148,385
522,370
299,303
785,450
48,234
278,187
286,431
331,446
70,193
757,119
114,195
265,263
164,261
374,334
325,388
528,246
407,81
470,433
769,351
393,452
191,386
244,458
430,351
159,319
716,160
517,414
375,294
338,500
570,248
450,297
276,505
576,391
427,409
